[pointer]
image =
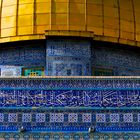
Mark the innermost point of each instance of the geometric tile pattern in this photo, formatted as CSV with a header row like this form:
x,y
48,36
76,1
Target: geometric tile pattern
x,y
73,117
12,117
65,119
56,117
86,117
100,118
128,117
40,117
72,83
114,117
26,117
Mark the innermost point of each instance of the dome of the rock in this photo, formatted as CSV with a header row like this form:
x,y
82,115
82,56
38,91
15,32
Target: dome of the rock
x,y
76,23
109,20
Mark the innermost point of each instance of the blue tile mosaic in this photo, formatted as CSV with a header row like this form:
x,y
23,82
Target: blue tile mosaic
x,y
69,98
65,108
70,84
68,57
70,120
33,55
122,62
71,136
65,57
70,93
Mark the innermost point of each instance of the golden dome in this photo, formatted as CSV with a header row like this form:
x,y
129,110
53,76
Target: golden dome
x,y
109,20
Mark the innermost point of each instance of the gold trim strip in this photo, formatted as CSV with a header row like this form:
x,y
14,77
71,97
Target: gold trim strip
x,y
69,33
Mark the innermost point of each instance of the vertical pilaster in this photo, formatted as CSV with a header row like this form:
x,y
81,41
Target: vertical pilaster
x,y
17,17
133,8
1,15
51,14
34,18
119,16
85,15
68,14
103,15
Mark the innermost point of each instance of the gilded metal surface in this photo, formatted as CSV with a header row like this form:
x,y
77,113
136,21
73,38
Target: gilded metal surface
x,y
110,20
